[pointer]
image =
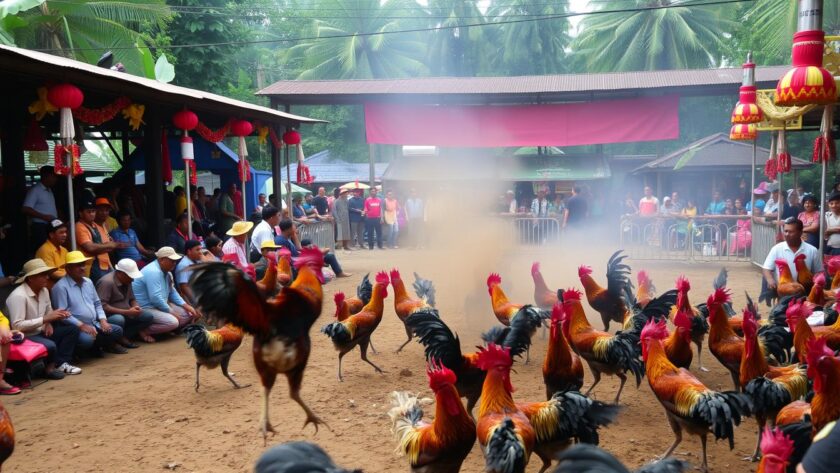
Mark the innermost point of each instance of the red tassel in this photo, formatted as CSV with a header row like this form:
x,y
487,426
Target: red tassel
x,y
770,169
784,162
193,173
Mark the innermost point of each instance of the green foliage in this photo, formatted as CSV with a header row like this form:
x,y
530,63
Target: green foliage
x,y
535,47
344,135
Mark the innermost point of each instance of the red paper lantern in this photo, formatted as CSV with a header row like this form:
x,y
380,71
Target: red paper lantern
x,y
185,120
746,110
743,132
65,96
241,128
291,137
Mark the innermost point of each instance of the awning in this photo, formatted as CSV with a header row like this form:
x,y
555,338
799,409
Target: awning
x,y
555,168
506,168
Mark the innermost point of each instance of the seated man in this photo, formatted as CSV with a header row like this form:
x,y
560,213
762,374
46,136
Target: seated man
x,y
267,247
180,234
288,239
94,242
30,311
133,249
119,304
264,231
76,294
156,293
235,245
192,255
53,252
214,247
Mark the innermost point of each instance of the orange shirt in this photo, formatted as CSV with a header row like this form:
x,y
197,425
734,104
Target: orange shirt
x,y
83,235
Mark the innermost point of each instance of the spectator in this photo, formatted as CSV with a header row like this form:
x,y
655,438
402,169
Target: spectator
x,y
261,203
321,203
53,252
341,214
201,203
39,206
235,245
677,202
298,210
308,208
180,234
266,247
415,214
668,208
690,209
132,248
794,207
389,216
356,207
739,207
180,200
788,250
94,242
214,246
212,205
120,305
30,311
227,215
832,225
192,255
288,239
77,294
557,206
760,194
510,207
156,293
539,206
103,214
771,208
264,231
810,217
649,204
576,209
197,211
6,335
373,219
728,207
238,205
630,207
716,206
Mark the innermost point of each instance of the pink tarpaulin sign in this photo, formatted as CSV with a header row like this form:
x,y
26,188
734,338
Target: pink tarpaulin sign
x,y
488,126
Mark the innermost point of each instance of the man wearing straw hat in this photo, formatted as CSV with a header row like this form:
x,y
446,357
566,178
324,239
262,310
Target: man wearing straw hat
x,y
30,311
155,292
77,294
235,245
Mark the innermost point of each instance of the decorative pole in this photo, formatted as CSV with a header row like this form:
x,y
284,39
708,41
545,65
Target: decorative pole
x,y
747,112
291,138
67,97
186,121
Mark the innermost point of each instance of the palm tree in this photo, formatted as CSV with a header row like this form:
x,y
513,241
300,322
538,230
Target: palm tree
x,y
84,29
455,50
532,47
357,56
770,24
676,37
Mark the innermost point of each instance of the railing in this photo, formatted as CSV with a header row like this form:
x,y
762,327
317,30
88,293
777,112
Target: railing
x,y
319,233
764,237
707,238
536,231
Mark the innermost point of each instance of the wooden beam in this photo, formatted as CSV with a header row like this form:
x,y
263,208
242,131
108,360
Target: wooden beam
x,y
152,142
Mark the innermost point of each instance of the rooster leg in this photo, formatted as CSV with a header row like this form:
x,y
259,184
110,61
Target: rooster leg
x,y
363,346
675,427
704,468
295,380
197,369
735,380
408,333
762,421
699,344
340,356
597,379
267,382
606,320
229,376
373,349
623,378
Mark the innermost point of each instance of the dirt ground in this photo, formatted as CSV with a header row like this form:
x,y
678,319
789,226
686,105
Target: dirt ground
x,y
139,412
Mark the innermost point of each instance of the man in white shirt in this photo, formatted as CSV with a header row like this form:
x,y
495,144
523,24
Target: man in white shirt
x,y
788,250
235,245
771,208
39,206
264,230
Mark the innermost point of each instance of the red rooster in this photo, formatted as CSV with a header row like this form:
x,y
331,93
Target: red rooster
x,y
818,295
7,436
562,369
608,302
357,329
442,445
797,317
214,348
504,310
280,325
699,324
544,298
786,286
678,344
776,448
405,305
803,273
363,292
688,403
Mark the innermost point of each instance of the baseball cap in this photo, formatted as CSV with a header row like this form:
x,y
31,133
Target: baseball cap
x,y
56,224
102,201
129,267
86,205
167,252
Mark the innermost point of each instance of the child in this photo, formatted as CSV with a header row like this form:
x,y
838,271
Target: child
x,y
832,225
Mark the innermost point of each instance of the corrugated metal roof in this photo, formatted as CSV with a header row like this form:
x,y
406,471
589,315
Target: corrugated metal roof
x,y
716,151
299,91
326,167
21,61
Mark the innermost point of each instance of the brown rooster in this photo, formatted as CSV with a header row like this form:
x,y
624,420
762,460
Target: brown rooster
x,y
363,293
803,273
562,369
818,295
7,436
405,305
678,344
505,311
797,316
645,291
280,325
214,348
786,285
544,298
609,301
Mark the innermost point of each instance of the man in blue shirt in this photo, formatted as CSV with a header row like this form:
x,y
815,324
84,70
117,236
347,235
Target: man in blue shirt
x,y
192,255
716,206
355,206
76,294
155,292
134,250
288,238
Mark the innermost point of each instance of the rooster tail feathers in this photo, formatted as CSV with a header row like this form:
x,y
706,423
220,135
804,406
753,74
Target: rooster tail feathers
x,y
752,307
296,457
777,342
618,274
364,291
223,293
203,342
522,326
425,289
496,334
505,452
624,351
800,433
666,465
338,332
406,413
572,415
722,411
769,397
433,333
721,279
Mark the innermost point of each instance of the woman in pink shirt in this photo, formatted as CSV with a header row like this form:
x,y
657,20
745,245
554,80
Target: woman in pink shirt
x,y
392,207
373,219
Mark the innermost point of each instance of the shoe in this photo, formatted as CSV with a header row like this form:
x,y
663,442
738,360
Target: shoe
x,y
67,368
10,391
116,349
344,275
56,374
131,345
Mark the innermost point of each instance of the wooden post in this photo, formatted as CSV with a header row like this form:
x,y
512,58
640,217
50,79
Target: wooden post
x,y
152,143
276,166
288,109
14,171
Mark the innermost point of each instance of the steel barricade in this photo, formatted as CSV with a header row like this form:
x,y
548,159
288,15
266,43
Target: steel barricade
x,y
536,231
674,238
321,234
763,239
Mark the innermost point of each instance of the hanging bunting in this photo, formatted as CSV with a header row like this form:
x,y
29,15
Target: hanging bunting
x,y
262,135
770,167
193,172
784,155
213,136
824,147
98,116
134,114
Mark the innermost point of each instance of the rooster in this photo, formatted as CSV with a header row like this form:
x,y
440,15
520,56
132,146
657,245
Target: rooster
x,y
214,348
818,295
405,305
803,273
699,314
776,448
284,266
297,457
363,293
544,298
769,387
585,458
645,290
688,403
608,302
505,310
509,432
562,368
424,288
444,347
442,445
280,325
357,329
7,436
604,353
786,285
678,344
797,316
832,265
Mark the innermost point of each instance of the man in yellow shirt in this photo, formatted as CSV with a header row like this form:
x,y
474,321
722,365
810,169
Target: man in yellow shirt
x,y
53,251
180,200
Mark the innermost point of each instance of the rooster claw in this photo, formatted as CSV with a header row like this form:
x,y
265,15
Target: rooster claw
x,y
315,421
242,386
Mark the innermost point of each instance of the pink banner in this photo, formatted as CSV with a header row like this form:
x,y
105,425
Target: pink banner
x,y
489,126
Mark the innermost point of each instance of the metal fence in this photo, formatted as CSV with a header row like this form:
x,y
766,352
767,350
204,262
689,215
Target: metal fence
x,y
764,237
320,233
682,238
536,231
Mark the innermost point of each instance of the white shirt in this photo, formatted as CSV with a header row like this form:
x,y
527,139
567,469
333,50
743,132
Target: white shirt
x,y
833,221
783,251
261,233
771,207
26,312
40,199
232,246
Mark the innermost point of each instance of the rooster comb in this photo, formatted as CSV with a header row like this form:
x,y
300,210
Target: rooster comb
x,y
796,311
682,319
395,274
833,265
571,294
535,267
493,279
492,356
382,277
284,253
748,323
817,348
439,375
642,277
718,298
819,279
311,257
682,284
339,298
782,264
799,257
584,271
655,330
776,445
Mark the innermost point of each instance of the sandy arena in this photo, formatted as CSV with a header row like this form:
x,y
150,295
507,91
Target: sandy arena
x,y
139,412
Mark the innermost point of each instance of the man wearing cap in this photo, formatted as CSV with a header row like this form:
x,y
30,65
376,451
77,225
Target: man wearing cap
x,y
192,255
119,304
53,252
267,247
39,205
30,311
94,242
235,245
264,231
103,214
156,293
77,294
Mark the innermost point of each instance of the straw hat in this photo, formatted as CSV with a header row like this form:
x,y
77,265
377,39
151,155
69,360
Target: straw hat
x,y
167,252
240,228
129,267
76,257
268,245
33,267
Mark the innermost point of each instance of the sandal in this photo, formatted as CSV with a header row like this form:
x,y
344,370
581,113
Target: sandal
x,y
147,338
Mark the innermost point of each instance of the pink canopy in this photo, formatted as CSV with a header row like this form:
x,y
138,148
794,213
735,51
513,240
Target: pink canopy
x,y
489,126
